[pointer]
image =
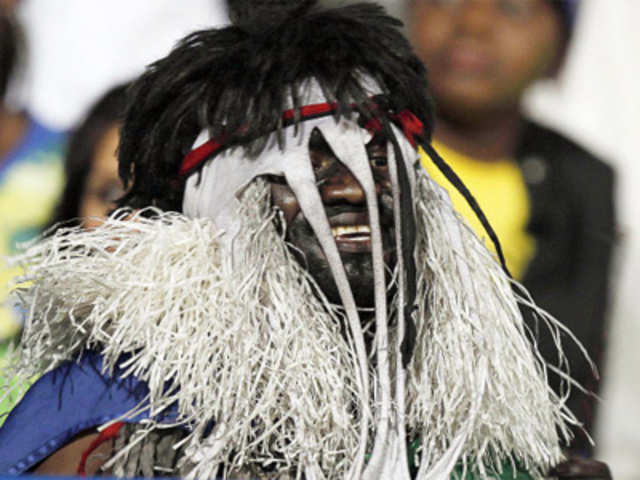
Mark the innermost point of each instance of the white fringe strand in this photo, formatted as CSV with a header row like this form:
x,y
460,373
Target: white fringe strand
x,y
474,377
251,347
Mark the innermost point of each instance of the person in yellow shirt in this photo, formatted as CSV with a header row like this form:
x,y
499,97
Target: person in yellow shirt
x,y
550,201
508,205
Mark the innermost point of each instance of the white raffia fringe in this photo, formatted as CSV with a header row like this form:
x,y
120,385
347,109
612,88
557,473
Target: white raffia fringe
x,y
474,375
251,347
255,349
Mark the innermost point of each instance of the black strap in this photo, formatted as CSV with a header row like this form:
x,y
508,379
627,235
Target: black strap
x,y
455,180
408,231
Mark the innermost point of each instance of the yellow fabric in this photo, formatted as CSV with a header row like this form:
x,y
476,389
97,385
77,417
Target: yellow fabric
x,y
499,188
27,198
31,179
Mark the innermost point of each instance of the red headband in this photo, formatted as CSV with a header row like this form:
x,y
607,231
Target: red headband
x,y
411,127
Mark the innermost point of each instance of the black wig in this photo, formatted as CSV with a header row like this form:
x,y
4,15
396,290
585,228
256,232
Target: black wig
x,y
236,81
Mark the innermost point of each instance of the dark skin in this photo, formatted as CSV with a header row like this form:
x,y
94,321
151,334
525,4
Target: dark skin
x,y
482,56
67,460
345,205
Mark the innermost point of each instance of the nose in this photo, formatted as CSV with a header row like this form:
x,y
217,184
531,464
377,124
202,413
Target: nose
x,y
342,187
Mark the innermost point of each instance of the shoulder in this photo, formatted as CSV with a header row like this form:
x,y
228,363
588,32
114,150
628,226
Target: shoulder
x,y
74,398
45,133
568,160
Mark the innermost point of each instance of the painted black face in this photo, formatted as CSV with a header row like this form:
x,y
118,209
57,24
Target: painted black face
x,y
345,205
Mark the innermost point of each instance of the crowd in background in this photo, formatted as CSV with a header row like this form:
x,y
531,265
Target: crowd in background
x,y
59,130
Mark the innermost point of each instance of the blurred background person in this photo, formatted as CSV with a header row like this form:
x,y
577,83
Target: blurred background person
x,y
77,50
92,183
30,167
549,200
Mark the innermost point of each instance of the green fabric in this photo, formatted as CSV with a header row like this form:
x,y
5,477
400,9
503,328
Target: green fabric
x,y
507,473
7,403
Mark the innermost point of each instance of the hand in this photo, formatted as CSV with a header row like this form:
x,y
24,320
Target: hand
x,y
581,468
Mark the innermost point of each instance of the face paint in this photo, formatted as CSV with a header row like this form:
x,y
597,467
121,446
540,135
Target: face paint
x,y
345,206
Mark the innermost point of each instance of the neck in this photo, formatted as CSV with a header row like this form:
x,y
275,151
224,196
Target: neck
x,y
493,138
12,128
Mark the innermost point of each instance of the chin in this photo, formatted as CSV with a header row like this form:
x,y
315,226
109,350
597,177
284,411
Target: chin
x,y
358,267
359,270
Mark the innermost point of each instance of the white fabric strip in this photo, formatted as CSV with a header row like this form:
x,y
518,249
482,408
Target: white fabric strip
x,y
347,141
302,182
206,195
401,468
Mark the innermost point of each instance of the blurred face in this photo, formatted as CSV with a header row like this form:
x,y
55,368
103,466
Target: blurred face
x,y
482,54
103,184
346,209
9,4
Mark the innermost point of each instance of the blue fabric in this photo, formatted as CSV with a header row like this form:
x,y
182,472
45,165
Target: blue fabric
x,y
71,399
76,397
60,477
37,138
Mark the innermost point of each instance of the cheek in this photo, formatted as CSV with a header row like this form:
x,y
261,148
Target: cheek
x,y
91,205
283,198
530,54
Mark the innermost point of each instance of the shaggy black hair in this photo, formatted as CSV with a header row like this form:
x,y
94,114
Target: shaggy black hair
x,y
237,81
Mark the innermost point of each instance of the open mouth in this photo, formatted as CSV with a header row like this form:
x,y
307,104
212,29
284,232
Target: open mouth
x,y
352,238
351,232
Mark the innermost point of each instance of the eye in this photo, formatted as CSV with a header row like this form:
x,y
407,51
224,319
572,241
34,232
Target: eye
x,y
109,193
444,3
321,162
322,158
378,161
515,9
377,155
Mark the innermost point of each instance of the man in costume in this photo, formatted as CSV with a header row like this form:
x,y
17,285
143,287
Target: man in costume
x,y
317,309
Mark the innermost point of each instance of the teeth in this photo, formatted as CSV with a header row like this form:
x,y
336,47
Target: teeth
x,y
350,230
